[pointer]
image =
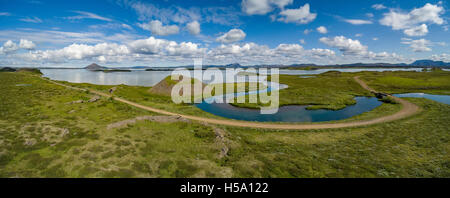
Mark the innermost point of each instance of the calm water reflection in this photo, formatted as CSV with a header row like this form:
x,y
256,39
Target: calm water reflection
x,y
291,113
133,78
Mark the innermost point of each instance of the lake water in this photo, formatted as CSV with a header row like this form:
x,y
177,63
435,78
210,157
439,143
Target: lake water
x,y
438,98
150,78
291,113
296,113
133,78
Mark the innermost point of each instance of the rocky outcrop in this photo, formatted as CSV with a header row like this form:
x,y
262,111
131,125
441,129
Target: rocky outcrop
x,y
112,90
162,119
94,99
76,102
30,142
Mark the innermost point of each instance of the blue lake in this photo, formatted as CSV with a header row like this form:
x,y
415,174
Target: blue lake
x,y
438,98
133,78
291,113
296,113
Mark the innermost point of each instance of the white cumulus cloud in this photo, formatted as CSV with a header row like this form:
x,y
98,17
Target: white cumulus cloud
x,y
345,45
256,7
378,6
322,30
358,21
354,48
383,56
193,27
429,13
441,57
282,54
301,15
239,50
185,49
26,44
421,30
322,52
8,47
282,3
112,52
307,31
261,7
289,49
157,28
420,45
11,47
78,52
154,46
232,36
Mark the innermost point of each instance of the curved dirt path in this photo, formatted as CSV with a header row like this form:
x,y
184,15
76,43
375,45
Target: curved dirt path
x,y
408,109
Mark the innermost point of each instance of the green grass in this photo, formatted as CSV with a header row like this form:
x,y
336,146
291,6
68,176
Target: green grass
x,y
434,82
412,147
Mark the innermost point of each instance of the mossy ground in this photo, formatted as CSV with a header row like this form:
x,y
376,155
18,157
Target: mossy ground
x,y
433,82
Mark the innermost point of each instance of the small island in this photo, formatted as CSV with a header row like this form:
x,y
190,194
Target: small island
x,y
96,67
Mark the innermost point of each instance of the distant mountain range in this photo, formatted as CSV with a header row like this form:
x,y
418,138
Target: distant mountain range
x,y
418,63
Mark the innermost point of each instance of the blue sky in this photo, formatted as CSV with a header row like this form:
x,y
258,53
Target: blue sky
x,y
173,32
